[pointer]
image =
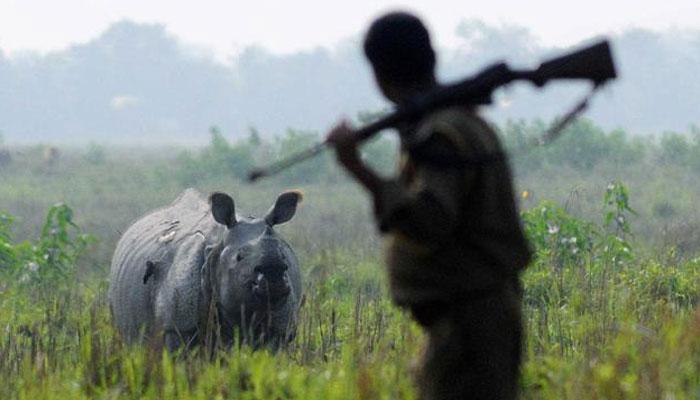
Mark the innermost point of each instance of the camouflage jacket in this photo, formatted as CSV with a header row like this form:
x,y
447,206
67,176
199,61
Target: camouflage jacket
x,y
450,220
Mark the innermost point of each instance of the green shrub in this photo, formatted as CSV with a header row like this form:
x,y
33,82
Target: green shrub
x,y
557,234
49,262
95,154
220,159
7,249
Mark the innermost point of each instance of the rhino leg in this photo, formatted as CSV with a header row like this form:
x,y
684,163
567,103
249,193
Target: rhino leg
x,y
172,341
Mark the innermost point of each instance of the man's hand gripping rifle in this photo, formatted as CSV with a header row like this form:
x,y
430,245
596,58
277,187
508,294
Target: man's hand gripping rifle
x,y
593,63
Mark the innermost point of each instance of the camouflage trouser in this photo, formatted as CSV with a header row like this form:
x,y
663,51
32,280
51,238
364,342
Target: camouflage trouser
x,y
473,349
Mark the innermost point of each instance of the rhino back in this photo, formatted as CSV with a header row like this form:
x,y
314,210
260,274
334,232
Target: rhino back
x,y
155,237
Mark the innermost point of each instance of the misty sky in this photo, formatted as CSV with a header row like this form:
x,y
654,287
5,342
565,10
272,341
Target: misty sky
x,y
227,27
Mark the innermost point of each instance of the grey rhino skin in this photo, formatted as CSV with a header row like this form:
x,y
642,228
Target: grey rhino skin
x,y
180,267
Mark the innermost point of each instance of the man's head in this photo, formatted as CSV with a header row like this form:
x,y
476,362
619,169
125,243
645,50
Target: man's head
x,y
398,47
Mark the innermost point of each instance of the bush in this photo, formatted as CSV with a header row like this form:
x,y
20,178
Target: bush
x,y
7,250
567,240
219,159
582,146
50,262
674,148
313,170
95,154
558,235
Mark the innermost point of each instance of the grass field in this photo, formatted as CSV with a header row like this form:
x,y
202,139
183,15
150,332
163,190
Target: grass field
x,y
610,303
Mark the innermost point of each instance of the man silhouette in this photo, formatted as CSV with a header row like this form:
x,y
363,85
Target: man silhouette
x,y
454,244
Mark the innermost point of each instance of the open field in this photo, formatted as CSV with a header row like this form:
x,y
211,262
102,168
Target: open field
x,y
610,301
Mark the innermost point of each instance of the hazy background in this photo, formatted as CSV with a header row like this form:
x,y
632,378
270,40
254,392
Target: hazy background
x,y
87,71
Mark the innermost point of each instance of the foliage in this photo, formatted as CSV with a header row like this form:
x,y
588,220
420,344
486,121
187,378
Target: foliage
x,y
381,154
609,301
582,146
616,218
49,263
95,154
556,234
681,149
293,142
219,158
591,334
7,250
674,148
566,240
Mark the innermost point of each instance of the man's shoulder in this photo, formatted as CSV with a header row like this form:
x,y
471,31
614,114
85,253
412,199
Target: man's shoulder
x,y
454,113
460,127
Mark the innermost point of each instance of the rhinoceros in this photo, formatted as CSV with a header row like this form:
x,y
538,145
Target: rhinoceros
x,y
196,270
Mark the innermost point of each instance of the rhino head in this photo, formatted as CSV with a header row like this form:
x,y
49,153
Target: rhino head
x,y
251,272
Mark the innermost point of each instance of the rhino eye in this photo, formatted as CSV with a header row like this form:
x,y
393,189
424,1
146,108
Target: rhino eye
x,y
239,257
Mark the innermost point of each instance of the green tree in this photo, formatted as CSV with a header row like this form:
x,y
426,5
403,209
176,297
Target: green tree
x,y
674,148
313,170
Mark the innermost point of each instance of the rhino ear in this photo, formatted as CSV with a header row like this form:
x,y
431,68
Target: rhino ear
x,y
222,209
284,209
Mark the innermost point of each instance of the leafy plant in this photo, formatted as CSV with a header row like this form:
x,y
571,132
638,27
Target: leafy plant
x,y
51,260
557,234
219,160
95,154
615,244
7,250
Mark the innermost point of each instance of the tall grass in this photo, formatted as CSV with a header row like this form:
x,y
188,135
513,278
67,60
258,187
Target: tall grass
x,y
591,334
602,322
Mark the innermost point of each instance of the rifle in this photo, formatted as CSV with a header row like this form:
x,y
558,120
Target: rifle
x,y
593,63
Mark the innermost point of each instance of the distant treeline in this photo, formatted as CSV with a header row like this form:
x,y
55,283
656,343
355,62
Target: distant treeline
x,y
582,146
137,83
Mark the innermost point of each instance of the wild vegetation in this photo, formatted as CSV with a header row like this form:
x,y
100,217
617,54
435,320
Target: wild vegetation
x,y
610,300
